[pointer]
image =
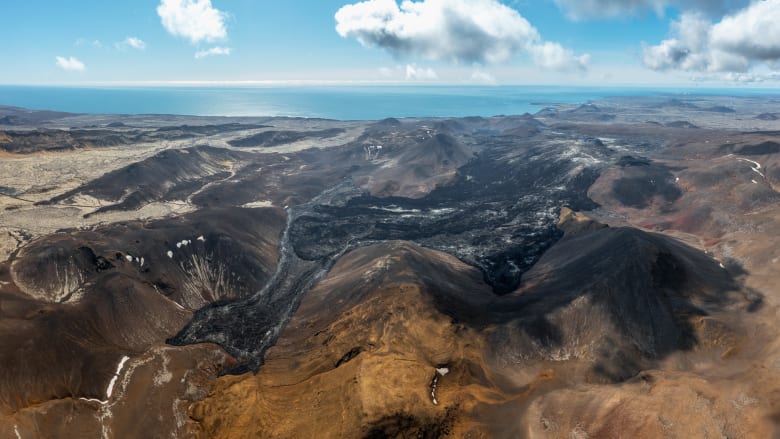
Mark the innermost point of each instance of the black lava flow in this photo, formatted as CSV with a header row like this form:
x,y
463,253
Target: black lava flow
x,y
499,215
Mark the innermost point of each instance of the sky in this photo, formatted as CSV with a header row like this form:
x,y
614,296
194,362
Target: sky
x,y
519,42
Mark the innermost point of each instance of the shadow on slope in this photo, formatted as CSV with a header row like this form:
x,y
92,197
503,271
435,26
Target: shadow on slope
x,y
168,176
622,298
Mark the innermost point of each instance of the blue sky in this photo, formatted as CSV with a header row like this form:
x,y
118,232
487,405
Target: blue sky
x,y
512,42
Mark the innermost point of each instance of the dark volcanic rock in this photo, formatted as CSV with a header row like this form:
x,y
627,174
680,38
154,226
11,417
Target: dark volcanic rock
x,y
677,103
389,122
276,138
490,216
5,190
768,116
168,176
37,140
620,296
499,214
187,131
87,298
629,161
719,109
680,124
589,112
23,116
768,147
642,181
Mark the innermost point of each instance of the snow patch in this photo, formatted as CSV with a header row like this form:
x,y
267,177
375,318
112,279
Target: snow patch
x,y
755,168
16,432
163,376
201,238
395,209
263,203
129,258
119,367
440,372
99,401
170,254
372,151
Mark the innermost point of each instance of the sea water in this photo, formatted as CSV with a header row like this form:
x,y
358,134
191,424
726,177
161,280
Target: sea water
x,y
331,102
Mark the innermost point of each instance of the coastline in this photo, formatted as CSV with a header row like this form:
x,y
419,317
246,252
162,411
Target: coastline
x,y
363,102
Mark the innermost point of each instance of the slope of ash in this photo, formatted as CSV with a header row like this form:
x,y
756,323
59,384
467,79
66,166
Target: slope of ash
x,y
75,302
619,297
171,175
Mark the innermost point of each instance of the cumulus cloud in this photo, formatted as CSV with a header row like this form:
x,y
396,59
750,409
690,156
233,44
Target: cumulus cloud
x,y
455,30
195,20
132,43
410,72
737,43
218,50
553,56
460,31
752,32
587,9
70,64
135,43
415,73
686,49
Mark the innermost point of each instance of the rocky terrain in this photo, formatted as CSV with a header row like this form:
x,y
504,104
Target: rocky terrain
x,y
600,270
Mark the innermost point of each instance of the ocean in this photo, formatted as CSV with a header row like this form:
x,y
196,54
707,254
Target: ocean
x,y
330,102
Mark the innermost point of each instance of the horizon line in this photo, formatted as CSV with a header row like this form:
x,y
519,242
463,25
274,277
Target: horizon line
x,y
358,83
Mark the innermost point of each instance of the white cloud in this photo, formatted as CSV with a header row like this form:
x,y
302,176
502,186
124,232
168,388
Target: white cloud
x,y
483,77
415,73
737,43
218,50
454,30
70,64
753,32
83,42
588,9
687,49
130,42
459,31
553,56
135,43
195,20
746,78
